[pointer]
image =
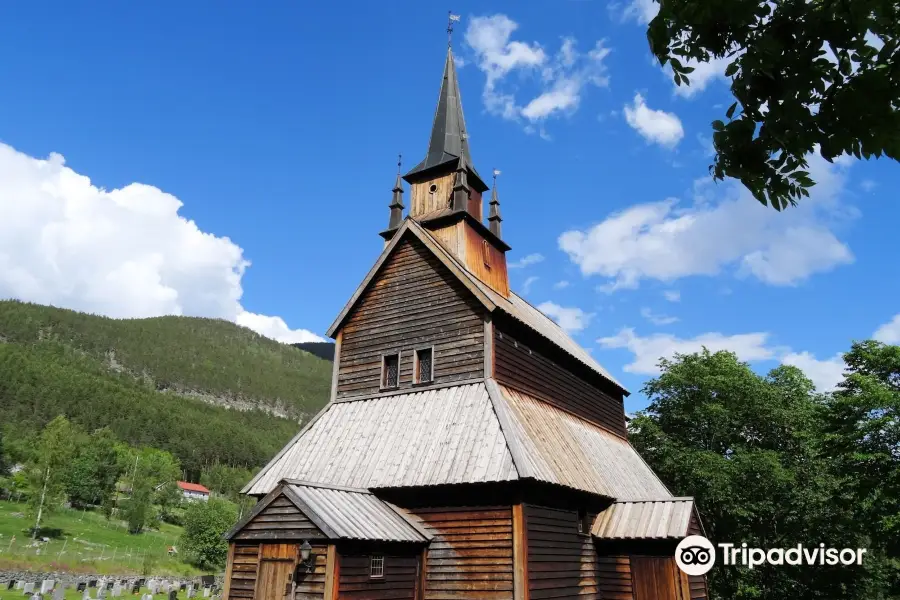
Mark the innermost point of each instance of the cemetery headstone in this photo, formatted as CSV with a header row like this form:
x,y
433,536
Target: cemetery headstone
x,y
92,583
81,586
206,591
136,588
28,589
101,593
86,595
182,586
116,590
47,585
173,595
11,584
109,585
59,593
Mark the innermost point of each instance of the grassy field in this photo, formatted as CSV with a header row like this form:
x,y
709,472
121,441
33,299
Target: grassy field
x,y
88,544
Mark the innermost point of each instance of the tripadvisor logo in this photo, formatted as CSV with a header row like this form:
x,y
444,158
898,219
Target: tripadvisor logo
x,y
696,555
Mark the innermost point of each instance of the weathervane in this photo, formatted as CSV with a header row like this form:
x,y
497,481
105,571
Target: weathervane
x,y
496,172
399,162
450,21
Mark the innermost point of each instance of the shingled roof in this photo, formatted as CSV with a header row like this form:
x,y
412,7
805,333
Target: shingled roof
x,y
476,432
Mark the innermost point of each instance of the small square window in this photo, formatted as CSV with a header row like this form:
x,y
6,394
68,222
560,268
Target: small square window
x,y
390,371
376,566
424,365
584,522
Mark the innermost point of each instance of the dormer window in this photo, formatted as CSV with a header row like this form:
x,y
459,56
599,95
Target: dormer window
x,y
390,371
424,368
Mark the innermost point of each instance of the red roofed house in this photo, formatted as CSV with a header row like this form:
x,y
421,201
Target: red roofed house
x,y
193,491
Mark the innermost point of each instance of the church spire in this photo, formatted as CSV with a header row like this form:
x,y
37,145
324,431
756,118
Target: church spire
x,y
494,217
448,144
396,205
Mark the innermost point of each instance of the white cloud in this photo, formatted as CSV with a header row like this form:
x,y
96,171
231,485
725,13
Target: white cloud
x,y
655,126
868,185
704,73
121,253
530,281
825,374
640,11
889,333
561,285
672,295
725,227
561,78
657,319
525,261
648,350
570,319
275,328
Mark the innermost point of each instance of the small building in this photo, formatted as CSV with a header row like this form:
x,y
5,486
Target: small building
x,y
193,491
471,450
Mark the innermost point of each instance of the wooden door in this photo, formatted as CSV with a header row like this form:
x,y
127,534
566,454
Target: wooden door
x,y
655,578
276,569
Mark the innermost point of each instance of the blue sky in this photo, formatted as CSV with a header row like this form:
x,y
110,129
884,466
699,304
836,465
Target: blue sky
x,y
236,160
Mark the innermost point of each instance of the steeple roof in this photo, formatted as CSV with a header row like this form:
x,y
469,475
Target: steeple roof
x,y
448,143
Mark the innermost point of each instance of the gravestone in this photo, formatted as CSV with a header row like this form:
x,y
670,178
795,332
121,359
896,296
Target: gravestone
x,y
116,590
87,594
28,589
101,593
47,585
11,584
173,595
92,583
20,585
182,586
147,597
206,592
109,585
59,593
136,588
82,586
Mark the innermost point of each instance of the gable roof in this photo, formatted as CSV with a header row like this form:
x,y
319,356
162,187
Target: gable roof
x,y
477,432
645,519
514,306
187,486
343,513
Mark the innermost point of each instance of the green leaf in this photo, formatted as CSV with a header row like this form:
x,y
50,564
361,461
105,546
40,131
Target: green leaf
x,y
730,111
718,125
732,69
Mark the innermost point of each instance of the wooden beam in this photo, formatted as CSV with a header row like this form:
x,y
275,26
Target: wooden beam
x,y
520,553
336,367
331,573
420,584
488,346
229,565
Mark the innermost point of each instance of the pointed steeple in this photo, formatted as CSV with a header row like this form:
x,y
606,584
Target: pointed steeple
x,y
494,217
449,140
396,206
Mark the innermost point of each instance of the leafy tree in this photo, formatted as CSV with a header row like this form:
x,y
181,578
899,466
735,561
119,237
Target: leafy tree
x,y
862,427
149,470
47,472
226,480
169,498
807,76
93,473
747,448
204,525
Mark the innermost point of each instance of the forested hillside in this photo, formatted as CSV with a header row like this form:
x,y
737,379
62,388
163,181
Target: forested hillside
x,y
157,382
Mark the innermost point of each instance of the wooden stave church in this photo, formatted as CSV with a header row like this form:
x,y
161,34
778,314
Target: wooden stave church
x,y
470,449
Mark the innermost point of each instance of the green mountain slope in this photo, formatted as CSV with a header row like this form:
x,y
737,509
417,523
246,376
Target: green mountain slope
x,y
169,382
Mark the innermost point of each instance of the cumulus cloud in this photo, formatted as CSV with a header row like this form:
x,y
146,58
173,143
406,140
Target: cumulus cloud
x,y
724,228
560,78
526,261
640,11
561,285
122,253
648,350
889,333
656,126
657,319
825,374
530,281
704,73
672,295
570,319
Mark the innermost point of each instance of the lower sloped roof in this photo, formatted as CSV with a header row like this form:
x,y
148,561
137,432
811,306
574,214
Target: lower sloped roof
x,y
644,519
429,437
342,513
557,447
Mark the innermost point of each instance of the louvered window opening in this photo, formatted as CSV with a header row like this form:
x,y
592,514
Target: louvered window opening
x,y
390,371
424,365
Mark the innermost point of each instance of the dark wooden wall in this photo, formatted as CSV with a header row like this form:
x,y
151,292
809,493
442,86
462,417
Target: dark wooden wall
x,y
697,583
280,520
614,578
523,367
399,582
413,302
243,571
561,562
471,555
311,586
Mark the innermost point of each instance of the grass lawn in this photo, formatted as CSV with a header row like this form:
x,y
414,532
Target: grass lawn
x,y
88,544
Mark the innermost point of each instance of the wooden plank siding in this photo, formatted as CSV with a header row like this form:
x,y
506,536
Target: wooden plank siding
x,y
524,368
696,583
471,555
491,271
311,586
280,520
614,578
413,302
562,563
243,571
424,201
399,581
